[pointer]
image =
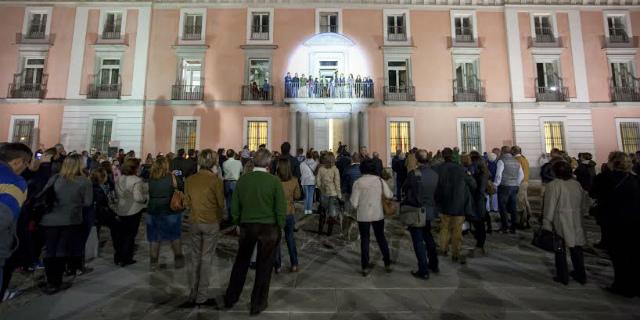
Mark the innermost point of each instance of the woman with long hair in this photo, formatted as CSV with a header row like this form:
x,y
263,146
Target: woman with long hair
x,y
163,224
328,182
62,225
308,181
481,174
291,193
132,194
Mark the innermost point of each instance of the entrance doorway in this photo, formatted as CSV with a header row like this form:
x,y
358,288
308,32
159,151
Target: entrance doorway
x,y
329,133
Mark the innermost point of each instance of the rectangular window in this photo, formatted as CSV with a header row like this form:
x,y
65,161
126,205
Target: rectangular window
x,y
259,71
398,78
186,134
101,134
543,28
110,72
399,136
464,29
112,25
547,74
257,132
622,74
33,72
553,135
630,136
37,26
260,26
328,22
396,30
23,131
466,75
191,74
192,29
617,29
470,136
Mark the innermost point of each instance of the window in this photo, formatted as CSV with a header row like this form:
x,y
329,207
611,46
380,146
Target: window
x,y
400,136
396,28
617,29
547,75
397,72
630,136
110,72
470,135
553,135
112,27
101,134
23,131
466,75
543,29
257,134
186,132
32,72
192,29
622,74
463,29
37,26
260,26
328,22
259,71
191,72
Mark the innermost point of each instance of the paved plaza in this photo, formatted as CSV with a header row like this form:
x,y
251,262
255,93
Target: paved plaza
x,y
512,282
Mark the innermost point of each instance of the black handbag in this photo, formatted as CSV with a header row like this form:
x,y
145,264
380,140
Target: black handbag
x,y
44,201
547,240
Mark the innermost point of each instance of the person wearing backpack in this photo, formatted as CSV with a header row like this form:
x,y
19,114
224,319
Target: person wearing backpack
x,y
419,192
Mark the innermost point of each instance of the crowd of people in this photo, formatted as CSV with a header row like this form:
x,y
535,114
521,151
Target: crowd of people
x,y
337,86
51,202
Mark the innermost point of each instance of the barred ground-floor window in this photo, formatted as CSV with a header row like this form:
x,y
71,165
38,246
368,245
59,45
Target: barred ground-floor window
x,y
257,133
185,134
101,134
629,135
399,136
554,135
23,129
470,134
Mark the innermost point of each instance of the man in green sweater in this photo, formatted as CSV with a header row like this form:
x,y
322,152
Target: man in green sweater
x,y
258,206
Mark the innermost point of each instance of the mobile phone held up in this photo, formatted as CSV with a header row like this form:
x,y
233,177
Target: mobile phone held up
x,y
38,155
178,173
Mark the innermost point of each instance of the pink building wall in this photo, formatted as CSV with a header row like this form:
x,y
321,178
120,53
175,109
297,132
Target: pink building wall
x,y
430,31
605,130
493,70
11,18
224,68
596,58
566,57
49,123
364,27
62,24
162,63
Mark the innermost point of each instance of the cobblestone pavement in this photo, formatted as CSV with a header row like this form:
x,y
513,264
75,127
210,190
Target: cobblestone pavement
x,y
512,282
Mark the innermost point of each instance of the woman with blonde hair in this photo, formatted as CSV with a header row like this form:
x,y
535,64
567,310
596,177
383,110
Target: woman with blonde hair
x,y
328,183
62,224
132,194
163,224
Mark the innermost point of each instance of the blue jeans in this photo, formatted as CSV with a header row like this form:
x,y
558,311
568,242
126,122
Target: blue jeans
x,y
229,187
308,197
289,225
378,231
507,201
424,245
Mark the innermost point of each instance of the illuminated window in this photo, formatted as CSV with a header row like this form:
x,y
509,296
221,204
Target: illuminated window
x,y
186,132
553,135
630,136
23,131
470,136
548,75
257,134
259,71
399,136
191,73
101,134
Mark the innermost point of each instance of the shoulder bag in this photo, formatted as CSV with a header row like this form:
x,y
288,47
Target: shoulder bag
x,y
413,216
177,198
388,206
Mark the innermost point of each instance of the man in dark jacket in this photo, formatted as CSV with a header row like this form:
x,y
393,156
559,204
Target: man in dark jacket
x,y
285,149
586,171
183,164
419,191
453,185
378,163
342,163
399,168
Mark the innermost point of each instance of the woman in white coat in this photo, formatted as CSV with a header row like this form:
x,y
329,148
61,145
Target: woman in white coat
x,y
308,181
563,214
366,198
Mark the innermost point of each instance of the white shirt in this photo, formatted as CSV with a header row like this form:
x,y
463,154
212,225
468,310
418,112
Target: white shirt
x,y
232,169
306,169
499,171
366,197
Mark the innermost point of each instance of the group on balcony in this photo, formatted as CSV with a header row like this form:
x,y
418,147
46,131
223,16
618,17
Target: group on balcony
x,y
335,86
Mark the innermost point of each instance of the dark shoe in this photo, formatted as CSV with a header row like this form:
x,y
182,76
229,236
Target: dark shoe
x,y
435,269
388,268
512,231
294,269
126,263
50,289
463,259
419,275
187,305
208,303
277,270
179,261
565,282
252,265
489,231
580,279
83,271
366,272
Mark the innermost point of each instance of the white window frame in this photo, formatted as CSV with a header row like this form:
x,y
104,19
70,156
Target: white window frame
x,y
543,143
245,130
180,76
552,19
459,122
24,55
464,13
103,18
101,57
203,32
412,133
555,59
27,18
618,13
407,70
174,127
618,134
250,12
248,69
319,11
475,59
92,117
622,58
407,28
36,120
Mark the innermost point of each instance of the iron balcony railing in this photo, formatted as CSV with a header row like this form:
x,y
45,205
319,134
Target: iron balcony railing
x,y
625,89
111,35
192,33
555,92
259,35
396,34
362,90
399,93
20,89
99,90
544,35
468,89
257,93
35,35
328,28
34,38
187,92
618,35
464,34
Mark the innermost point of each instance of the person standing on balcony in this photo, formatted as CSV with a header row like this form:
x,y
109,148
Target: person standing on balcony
x,y
523,207
350,87
266,90
302,90
358,86
295,83
509,176
287,85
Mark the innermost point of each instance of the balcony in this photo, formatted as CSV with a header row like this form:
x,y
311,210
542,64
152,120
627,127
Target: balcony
x,y
544,38
396,36
187,92
468,90
322,91
551,93
399,93
20,89
34,38
99,90
192,33
328,28
625,89
111,35
254,93
618,38
259,35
